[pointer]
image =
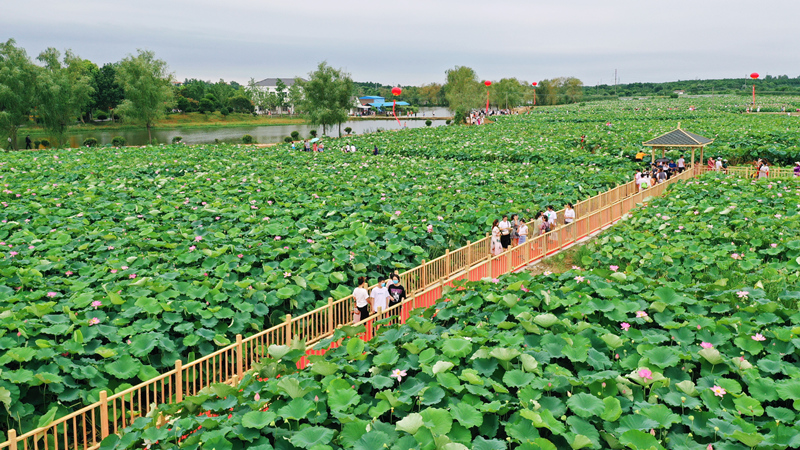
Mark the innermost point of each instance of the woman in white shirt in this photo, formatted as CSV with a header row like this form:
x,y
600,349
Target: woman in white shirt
x,y
380,297
569,214
522,231
763,172
496,246
361,296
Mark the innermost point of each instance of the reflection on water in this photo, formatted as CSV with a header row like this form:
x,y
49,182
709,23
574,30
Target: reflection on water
x,y
262,134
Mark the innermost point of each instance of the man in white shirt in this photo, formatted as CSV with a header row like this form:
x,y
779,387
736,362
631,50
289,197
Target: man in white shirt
x,y
718,165
505,232
681,164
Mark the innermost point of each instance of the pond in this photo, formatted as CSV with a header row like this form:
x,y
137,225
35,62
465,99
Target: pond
x,y
262,134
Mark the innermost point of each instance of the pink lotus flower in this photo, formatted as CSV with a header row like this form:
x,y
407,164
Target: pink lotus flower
x,y
113,270
110,247
287,274
30,247
579,279
759,337
277,238
640,314
257,397
495,280
719,391
97,303
51,294
132,276
240,255
198,238
736,256
13,254
310,241
192,248
576,268
706,345
124,268
94,321
773,245
399,374
614,268
397,213
645,374
524,289
68,273
742,294
625,326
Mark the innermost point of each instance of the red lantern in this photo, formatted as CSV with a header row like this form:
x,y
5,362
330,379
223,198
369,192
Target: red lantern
x,y
534,84
396,91
754,75
487,83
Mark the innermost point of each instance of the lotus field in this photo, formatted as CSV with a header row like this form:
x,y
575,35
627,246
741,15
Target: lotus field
x,y
117,262
679,333
609,128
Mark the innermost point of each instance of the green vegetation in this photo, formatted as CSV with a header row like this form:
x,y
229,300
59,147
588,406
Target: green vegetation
x,y
146,84
327,99
632,351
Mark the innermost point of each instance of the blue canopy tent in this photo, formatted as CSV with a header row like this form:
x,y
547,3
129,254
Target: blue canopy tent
x,y
380,106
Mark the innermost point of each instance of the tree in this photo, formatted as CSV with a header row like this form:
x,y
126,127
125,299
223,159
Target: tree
x,y
107,92
17,88
462,91
256,95
241,104
280,92
572,89
295,96
62,91
508,93
327,96
222,91
147,87
431,94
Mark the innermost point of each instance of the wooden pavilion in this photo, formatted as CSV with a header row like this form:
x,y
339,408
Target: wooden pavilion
x,y
677,138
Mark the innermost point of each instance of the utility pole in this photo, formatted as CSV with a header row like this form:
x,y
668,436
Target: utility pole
x,y
615,82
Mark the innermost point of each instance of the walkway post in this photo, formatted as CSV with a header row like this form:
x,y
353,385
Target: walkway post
x,y
178,381
239,358
287,332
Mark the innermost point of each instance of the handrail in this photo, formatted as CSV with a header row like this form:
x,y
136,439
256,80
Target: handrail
x,y
86,427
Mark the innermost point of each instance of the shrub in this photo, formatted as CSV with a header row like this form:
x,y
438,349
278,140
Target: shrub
x,y
36,144
90,142
102,116
287,139
247,139
45,143
348,130
313,133
428,122
447,122
118,141
295,135
177,139
673,95
224,111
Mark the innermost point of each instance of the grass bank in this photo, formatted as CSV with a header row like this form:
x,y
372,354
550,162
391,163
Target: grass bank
x,y
184,121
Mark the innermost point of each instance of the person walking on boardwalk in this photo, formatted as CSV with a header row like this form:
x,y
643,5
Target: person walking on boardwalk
x,y
496,247
569,214
397,293
505,232
361,297
522,232
28,142
380,296
797,169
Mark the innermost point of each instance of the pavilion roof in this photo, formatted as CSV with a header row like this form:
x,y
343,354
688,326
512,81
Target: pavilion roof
x,y
678,138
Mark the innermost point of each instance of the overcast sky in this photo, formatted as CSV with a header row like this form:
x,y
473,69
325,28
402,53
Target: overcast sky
x,y
414,42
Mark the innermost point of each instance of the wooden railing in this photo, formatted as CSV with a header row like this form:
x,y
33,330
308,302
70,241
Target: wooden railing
x,y
86,427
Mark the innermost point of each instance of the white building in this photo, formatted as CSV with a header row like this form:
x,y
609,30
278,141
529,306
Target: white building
x,y
270,86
